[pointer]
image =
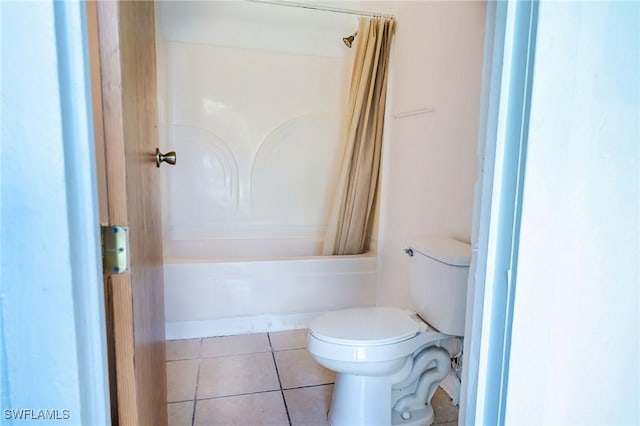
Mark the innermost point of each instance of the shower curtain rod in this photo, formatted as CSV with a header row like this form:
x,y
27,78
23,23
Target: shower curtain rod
x,y
323,8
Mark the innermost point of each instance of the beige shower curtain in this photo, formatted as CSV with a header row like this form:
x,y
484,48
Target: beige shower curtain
x,y
351,218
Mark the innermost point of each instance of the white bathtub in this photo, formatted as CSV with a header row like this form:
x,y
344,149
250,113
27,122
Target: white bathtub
x,y
212,297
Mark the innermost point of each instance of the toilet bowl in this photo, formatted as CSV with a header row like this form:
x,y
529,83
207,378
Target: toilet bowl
x,y
383,357
388,361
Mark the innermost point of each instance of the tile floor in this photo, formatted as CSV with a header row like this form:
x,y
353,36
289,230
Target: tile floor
x,y
256,379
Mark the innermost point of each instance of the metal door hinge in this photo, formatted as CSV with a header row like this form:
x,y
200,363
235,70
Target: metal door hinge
x,y
115,249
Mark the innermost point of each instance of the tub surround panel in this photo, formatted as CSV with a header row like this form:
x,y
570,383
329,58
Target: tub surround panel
x,y
252,99
250,25
267,247
207,172
259,141
295,170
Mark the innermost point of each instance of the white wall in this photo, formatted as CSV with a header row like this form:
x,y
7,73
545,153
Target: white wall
x,y
429,160
575,340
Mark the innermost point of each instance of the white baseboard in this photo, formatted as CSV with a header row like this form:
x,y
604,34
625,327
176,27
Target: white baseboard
x,y
237,325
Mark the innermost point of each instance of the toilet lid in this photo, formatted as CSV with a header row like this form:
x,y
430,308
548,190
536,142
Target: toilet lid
x,y
364,326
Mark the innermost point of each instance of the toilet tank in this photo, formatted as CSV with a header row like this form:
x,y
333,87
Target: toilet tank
x,y
439,269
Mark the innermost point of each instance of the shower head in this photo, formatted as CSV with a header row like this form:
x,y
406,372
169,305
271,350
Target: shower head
x,y
349,40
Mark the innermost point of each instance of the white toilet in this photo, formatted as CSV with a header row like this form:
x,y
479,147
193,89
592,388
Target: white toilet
x,y
389,361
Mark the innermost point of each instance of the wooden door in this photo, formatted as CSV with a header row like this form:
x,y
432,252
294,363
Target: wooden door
x,y
135,299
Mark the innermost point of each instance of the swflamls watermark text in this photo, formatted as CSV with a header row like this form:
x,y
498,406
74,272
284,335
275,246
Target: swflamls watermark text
x,y
35,414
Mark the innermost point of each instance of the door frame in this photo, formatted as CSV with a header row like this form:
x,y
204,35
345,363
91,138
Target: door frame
x,y
52,339
502,145
85,242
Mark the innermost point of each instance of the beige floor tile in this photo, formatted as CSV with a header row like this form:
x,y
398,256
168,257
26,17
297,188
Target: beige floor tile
x,y
309,406
181,380
445,411
243,410
296,368
235,345
232,375
289,339
180,413
183,349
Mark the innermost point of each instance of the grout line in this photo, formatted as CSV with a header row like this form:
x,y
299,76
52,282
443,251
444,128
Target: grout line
x,y
236,354
284,400
289,349
180,402
183,359
238,394
195,391
311,386
257,392
269,340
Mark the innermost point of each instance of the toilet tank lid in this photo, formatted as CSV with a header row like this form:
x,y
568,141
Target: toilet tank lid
x,y
442,249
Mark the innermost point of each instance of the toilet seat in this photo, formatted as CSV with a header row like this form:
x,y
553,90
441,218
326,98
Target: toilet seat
x,y
380,334
365,326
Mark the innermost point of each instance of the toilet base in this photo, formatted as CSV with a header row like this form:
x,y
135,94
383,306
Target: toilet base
x,y
421,417
365,400
360,400
401,399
